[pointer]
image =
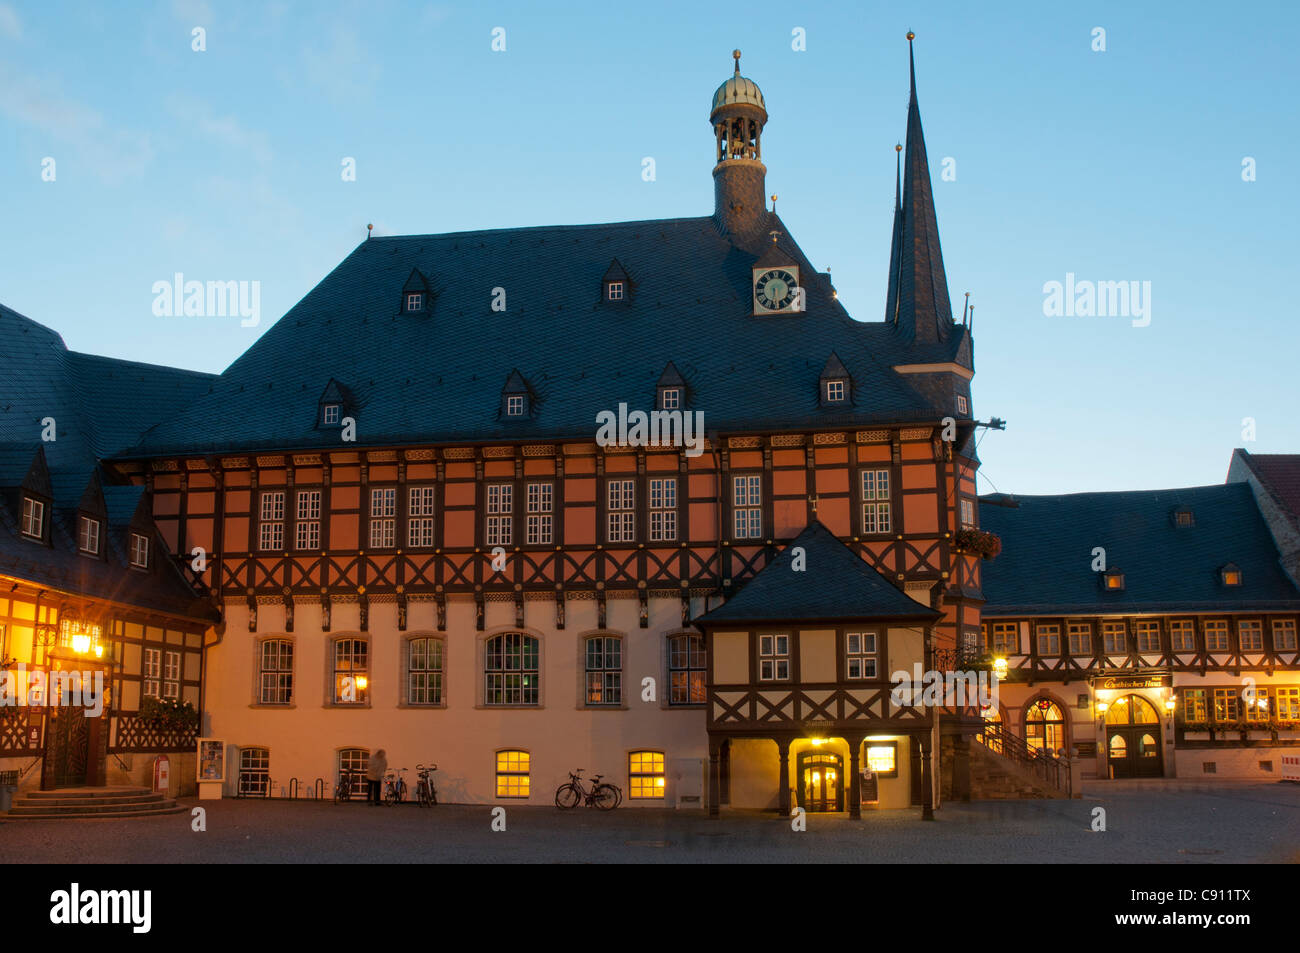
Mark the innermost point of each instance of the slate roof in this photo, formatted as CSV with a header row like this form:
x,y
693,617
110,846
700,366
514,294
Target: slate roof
x,y
99,405
436,376
836,585
1047,544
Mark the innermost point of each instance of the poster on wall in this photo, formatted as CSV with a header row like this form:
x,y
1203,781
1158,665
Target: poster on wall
x,y
212,760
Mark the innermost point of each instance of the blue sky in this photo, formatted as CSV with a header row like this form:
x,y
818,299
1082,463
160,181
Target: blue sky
x,y
1122,165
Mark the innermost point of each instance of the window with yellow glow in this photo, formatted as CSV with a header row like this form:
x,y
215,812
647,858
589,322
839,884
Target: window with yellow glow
x,y
882,759
645,771
512,773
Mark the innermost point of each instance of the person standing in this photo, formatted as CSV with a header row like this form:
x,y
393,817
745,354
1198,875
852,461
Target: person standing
x,y
375,771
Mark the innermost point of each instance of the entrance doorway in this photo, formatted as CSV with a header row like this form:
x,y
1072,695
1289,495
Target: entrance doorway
x,y
73,740
821,782
1133,738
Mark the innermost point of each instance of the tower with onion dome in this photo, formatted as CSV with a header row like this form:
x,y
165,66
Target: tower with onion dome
x,y
738,116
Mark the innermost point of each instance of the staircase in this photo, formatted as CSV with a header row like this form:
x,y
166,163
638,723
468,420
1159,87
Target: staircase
x,y
1004,767
106,802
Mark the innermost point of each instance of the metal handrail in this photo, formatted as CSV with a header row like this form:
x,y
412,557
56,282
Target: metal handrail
x,y
1053,770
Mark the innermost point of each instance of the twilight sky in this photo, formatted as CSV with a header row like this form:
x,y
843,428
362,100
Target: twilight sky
x,y
1117,165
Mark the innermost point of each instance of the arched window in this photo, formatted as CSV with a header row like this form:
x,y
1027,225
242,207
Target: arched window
x,y
513,769
1131,710
604,667
510,670
686,663
1045,726
254,772
645,774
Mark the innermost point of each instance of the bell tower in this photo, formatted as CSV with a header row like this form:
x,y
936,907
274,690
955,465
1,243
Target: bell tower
x,y
738,117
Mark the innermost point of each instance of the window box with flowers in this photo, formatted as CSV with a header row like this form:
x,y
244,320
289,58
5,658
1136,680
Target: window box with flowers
x,y
977,542
168,715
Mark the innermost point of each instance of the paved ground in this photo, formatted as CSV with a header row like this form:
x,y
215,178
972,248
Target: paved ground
x,y
1175,823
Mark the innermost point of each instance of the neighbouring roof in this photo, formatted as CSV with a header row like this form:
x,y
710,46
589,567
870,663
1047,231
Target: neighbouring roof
x,y
97,406
835,585
1279,473
1047,553
435,376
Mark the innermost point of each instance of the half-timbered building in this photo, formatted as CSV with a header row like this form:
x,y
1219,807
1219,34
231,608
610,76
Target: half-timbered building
x,y
421,539
97,622
1145,634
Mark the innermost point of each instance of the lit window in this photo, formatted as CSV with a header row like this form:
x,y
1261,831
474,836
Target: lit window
x,y
1114,638
1080,638
616,291
1182,635
1183,518
271,528
33,518
835,392
424,672
1251,634
276,672
645,774
330,413
622,514
1284,637
307,527
1288,703
515,405
882,759
670,398
171,675
1113,580
747,500
663,509
139,554
1005,639
1049,639
1216,635
510,670
875,501
351,672
500,507
773,658
686,662
383,517
1231,575
860,654
540,526
604,671
512,773
152,672
88,535
415,302
419,513
1148,635
1193,704
1226,705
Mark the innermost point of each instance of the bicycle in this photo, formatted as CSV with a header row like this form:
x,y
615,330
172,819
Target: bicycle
x,y
605,796
394,787
348,782
426,794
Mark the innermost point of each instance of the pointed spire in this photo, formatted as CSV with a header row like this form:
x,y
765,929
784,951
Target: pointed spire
x,y
924,312
896,241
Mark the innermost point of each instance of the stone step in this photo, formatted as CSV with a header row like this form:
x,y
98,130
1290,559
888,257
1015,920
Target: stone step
x,y
88,802
100,816
82,810
87,792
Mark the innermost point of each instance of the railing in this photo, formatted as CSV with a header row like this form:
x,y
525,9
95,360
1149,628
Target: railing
x,y
1051,770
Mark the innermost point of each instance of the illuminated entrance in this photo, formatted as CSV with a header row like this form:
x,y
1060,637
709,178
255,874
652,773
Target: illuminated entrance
x,y
821,782
1133,738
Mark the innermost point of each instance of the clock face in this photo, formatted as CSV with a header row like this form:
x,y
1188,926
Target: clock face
x,y
775,290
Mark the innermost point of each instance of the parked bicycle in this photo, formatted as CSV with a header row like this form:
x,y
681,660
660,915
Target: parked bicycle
x,y
426,794
394,787
605,796
350,781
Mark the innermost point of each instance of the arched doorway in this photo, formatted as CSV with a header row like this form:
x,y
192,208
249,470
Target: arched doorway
x,y
1133,738
821,782
1045,727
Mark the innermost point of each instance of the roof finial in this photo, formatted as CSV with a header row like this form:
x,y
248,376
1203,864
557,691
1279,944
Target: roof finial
x,y
369,229
773,203
775,235
966,308
735,54
911,63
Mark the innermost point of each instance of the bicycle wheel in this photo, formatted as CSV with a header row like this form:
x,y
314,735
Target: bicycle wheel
x,y
619,791
390,795
422,794
606,797
567,796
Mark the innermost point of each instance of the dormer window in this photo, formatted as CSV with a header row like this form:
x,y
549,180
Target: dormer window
x,y
330,414
139,551
833,384
670,398
514,405
1183,518
414,301
614,291
1230,575
835,391
33,518
1113,580
88,535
